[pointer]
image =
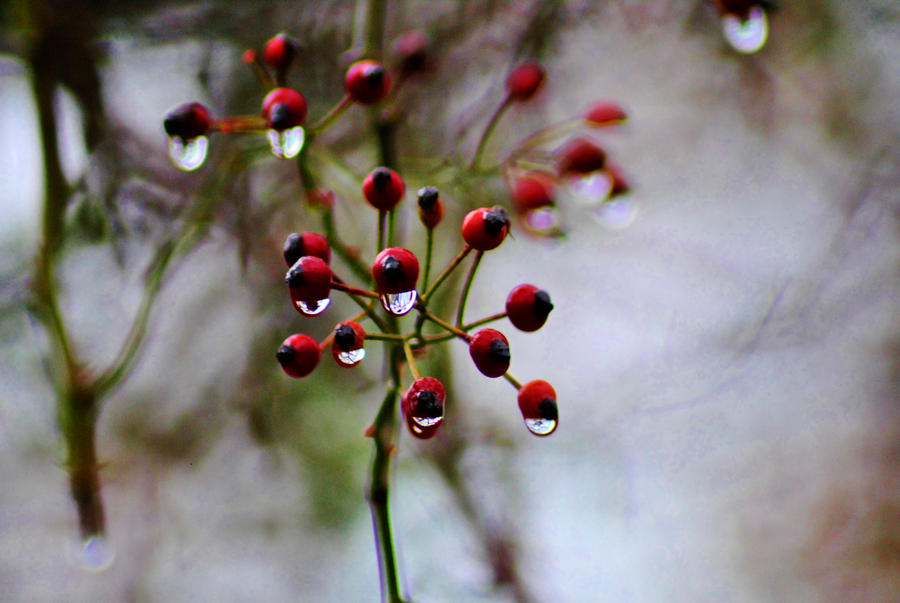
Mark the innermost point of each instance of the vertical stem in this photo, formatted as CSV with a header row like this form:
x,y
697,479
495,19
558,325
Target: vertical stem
x,y
464,296
488,130
429,247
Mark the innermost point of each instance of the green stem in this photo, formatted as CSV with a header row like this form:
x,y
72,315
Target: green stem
x,y
382,218
429,247
515,382
464,296
484,321
446,272
446,325
330,117
410,360
492,123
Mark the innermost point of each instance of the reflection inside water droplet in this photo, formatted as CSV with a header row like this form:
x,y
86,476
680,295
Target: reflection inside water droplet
x,y
313,308
543,220
399,304
287,143
592,188
426,422
93,554
351,357
540,427
746,35
189,154
617,213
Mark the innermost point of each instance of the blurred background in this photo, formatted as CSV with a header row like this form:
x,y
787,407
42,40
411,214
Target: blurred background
x,y
725,345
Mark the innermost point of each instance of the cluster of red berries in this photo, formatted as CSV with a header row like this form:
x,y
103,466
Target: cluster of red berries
x,y
395,274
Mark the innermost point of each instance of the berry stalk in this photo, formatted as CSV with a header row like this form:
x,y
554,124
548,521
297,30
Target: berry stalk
x,y
464,296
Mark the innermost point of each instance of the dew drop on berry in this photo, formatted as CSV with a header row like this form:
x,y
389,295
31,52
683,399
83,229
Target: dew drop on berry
x,y
351,357
399,304
286,144
617,213
592,188
188,154
746,35
543,220
92,554
540,427
427,422
312,308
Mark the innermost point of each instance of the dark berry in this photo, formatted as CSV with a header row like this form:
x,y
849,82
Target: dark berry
x,y
527,307
283,109
537,402
309,279
484,229
581,156
431,209
347,349
187,121
423,407
411,50
525,80
280,50
383,188
298,355
490,352
308,243
395,270
367,82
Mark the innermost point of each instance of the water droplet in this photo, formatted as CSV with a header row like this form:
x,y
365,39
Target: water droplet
x,y
426,422
592,188
312,308
351,357
616,213
399,304
746,35
541,427
543,221
287,143
92,554
189,154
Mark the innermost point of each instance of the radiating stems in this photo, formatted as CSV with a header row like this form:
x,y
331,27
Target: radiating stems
x,y
446,325
446,272
464,296
340,286
385,337
332,115
410,360
513,380
492,123
484,321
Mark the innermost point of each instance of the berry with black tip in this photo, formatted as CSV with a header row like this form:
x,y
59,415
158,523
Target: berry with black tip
x,y
298,355
383,188
527,307
581,156
298,245
309,280
533,190
431,209
537,402
395,270
349,338
525,80
283,109
411,50
423,407
485,228
187,121
367,82
280,51
489,349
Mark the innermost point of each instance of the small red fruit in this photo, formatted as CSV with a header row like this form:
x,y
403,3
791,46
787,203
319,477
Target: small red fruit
x,y
411,49
283,109
490,352
280,51
533,191
537,401
485,228
581,156
187,121
347,348
308,243
309,280
605,113
423,407
620,185
298,355
383,188
527,307
525,80
395,270
431,210
367,82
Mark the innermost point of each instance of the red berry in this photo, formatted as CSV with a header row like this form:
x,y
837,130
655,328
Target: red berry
x,y
411,49
739,8
605,113
527,307
309,280
347,348
367,82
423,407
383,188
309,243
280,50
581,156
249,56
431,210
525,80
533,191
188,121
298,355
537,401
395,270
485,228
490,352
619,183
283,109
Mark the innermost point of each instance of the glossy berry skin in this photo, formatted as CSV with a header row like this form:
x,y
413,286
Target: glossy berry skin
x,y
532,191
367,82
423,404
395,270
309,279
431,209
537,400
581,156
525,80
485,228
383,188
187,121
298,245
280,51
527,307
490,352
348,336
411,50
283,109
605,113
298,355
